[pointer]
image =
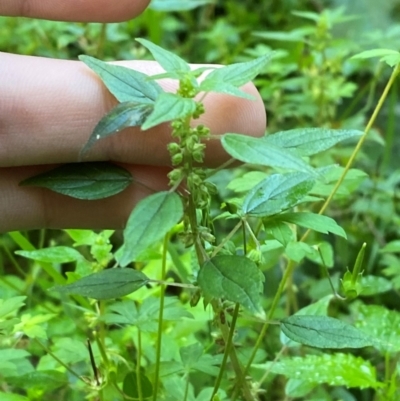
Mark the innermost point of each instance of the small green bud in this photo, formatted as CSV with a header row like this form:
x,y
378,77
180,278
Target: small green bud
x,y
173,148
255,255
211,188
177,159
175,175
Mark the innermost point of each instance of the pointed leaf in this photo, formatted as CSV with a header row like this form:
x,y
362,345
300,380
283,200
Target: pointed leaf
x,y
310,141
324,332
54,254
124,115
177,5
107,284
232,277
223,87
334,369
87,181
276,193
125,84
237,74
313,221
149,221
257,151
169,107
169,61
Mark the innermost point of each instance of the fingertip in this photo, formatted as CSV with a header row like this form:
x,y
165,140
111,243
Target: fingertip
x,y
74,10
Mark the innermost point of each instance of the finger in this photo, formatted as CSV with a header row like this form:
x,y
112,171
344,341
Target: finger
x,y
48,110
74,10
23,208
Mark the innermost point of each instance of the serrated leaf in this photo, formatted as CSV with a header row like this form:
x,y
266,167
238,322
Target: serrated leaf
x,y
54,254
89,181
125,84
276,193
169,107
324,332
334,369
177,5
389,56
232,277
149,221
257,151
310,141
124,115
169,61
236,74
313,221
107,284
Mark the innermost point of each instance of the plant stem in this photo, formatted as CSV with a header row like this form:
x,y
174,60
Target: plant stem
x,y
360,141
138,363
227,351
59,361
160,317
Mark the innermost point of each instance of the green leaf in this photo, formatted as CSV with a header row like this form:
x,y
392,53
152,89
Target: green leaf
x,y
372,285
319,308
224,87
391,247
276,193
381,323
130,385
169,61
10,306
54,254
124,115
107,284
169,107
324,332
149,221
145,317
313,221
257,151
280,231
177,5
89,181
236,74
310,141
389,56
12,397
232,277
125,84
40,381
334,369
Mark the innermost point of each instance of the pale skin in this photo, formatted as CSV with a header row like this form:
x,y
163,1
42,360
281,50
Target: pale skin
x,y
48,109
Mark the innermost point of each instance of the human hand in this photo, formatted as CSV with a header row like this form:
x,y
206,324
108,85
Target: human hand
x,y
48,109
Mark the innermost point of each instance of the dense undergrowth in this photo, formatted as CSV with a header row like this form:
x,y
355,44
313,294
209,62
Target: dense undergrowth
x,y
314,313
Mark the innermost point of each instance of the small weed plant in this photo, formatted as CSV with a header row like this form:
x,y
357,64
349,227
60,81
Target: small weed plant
x,y
111,328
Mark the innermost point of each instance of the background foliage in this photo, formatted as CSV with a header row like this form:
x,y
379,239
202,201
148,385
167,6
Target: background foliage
x,y
311,82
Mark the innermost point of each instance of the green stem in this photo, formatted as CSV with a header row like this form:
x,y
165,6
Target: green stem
x,y
288,272
227,351
362,139
102,40
59,361
160,317
138,364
